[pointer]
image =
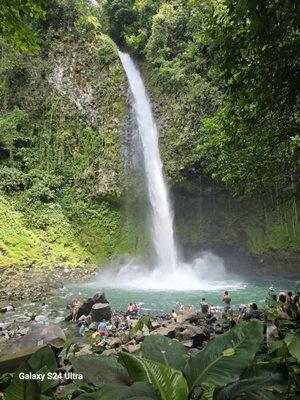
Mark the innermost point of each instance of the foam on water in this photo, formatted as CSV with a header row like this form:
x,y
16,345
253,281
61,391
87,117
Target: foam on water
x,y
207,272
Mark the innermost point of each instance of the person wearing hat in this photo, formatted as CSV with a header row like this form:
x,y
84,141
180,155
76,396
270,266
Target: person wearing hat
x,y
272,294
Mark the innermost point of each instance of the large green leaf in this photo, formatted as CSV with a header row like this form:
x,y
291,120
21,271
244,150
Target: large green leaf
x,y
223,360
100,370
137,391
44,357
165,350
41,362
255,384
292,341
169,381
23,389
144,321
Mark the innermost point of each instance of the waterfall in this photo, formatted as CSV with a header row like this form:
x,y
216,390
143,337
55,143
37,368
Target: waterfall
x,y
162,234
167,272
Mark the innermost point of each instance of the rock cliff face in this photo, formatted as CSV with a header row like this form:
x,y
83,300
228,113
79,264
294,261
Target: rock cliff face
x,y
62,120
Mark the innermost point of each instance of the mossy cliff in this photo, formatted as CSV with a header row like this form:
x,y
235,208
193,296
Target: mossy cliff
x,y
61,125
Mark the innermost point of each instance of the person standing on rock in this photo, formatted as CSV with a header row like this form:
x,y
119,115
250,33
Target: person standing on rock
x,y
75,310
204,306
102,328
174,316
226,300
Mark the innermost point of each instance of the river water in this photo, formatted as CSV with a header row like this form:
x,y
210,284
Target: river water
x,y
242,289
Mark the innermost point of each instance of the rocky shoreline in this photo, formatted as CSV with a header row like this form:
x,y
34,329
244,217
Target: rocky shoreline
x,y
35,284
191,329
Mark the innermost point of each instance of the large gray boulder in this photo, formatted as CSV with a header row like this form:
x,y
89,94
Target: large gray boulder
x,y
51,334
22,349
101,311
87,304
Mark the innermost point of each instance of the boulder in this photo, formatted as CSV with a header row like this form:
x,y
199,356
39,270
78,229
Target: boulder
x,y
114,342
132,348
100,311
195,333
100,297
7,308
109,352
93,326
155,325
40,318
86,306
51,334
124,336
170,330
4,326
187,343
22,349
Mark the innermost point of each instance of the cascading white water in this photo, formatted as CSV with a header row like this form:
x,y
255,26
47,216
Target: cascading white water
x,y
162,219
168,272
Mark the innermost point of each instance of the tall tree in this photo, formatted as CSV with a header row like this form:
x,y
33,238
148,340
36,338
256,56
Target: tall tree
x,y
16,17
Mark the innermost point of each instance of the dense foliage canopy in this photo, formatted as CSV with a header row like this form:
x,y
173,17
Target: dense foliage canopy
x,y
249,50
16,18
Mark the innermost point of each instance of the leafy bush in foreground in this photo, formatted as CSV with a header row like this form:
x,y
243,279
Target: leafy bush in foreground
x,y
231,366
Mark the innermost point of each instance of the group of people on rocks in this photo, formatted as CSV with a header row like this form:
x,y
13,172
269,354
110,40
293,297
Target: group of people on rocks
x,y
287,306
133,309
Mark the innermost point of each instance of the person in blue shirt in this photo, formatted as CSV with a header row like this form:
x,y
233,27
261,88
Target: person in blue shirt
x,y
254,311
102,328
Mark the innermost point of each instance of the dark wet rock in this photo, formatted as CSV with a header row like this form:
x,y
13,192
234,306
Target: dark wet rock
x,y
87,304
100,298
7,309
195,333
169,330
100,311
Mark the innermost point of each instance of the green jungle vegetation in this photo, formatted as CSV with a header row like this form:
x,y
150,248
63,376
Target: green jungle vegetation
x,y
224,80
235,365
